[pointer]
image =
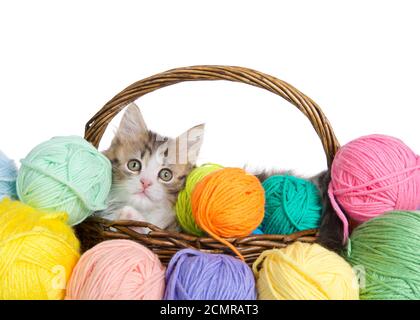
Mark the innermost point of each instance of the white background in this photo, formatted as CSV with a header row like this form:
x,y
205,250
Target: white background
x,y
60,61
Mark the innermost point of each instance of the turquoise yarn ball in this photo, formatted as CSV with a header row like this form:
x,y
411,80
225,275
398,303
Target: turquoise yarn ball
x,y
291,204
8,174
65,174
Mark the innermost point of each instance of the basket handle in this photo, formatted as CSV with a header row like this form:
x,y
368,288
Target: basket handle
x,y
96,126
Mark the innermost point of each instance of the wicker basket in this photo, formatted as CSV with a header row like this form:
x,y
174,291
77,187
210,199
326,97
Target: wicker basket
x,y
165,244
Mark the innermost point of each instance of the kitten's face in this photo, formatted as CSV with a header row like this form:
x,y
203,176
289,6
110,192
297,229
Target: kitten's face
x,y
150,170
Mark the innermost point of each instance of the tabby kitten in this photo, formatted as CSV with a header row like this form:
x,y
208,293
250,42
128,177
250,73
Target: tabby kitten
x,y
149,170
330,233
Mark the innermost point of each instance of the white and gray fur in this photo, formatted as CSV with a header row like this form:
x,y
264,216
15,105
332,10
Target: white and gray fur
x,y
142,195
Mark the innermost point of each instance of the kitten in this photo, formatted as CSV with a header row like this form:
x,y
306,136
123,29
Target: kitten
x,y
330,233
149,170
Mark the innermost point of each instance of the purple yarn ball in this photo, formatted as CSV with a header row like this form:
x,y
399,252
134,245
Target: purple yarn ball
x,y
194,275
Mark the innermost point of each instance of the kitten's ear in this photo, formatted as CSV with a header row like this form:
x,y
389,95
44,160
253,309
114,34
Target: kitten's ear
x,y
190,144
132,123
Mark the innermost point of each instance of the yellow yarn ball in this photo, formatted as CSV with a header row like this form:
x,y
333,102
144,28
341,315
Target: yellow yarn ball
x,y
304,271
37,253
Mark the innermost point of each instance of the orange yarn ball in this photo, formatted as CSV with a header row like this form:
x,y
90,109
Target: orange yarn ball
x,y
228,203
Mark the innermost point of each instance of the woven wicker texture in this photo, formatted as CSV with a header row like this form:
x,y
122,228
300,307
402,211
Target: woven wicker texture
x,y
164,243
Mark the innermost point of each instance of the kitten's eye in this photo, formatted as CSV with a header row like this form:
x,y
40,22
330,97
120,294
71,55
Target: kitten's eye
x,y
166,175
134,165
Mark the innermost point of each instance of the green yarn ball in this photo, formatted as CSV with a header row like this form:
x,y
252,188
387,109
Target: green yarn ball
x,y
386,253
65,174
291,204
183,204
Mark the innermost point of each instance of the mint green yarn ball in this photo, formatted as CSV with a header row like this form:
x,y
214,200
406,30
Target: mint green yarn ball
x,y
385,252
291,204
65,174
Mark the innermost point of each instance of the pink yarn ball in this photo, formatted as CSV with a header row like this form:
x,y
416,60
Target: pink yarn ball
x,y
117,270
372,175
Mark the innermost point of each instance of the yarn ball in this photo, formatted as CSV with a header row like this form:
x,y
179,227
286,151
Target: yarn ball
x,y
183,207
372,175
37,253
291,204
8,174
194,275
65,174
304,271
257,231
386,249
228,203
117,270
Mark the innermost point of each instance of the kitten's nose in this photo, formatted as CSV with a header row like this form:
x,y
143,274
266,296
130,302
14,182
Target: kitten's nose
x,y
145,183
